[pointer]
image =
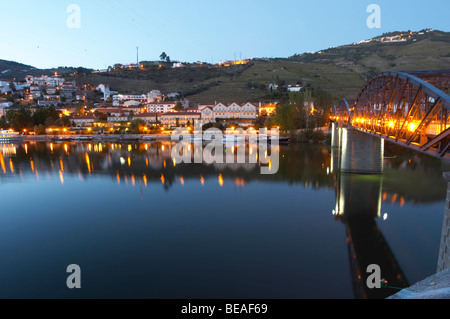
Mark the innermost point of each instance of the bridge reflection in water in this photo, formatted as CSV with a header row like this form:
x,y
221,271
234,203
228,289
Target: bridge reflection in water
x,y
358,197
358,205
411,109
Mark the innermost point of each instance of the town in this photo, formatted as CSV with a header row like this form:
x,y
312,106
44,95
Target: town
x,y
56,105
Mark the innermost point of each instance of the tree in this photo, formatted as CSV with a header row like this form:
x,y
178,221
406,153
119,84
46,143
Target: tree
x,y
46,115
179,106
136,126
12,86
3,123
39,129
308,99
163,56
19,119
168,59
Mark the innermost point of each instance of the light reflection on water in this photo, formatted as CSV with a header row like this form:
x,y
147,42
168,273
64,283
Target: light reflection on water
x,y
141,225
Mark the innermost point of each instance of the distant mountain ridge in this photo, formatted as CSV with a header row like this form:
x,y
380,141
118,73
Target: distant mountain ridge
x,y
11,69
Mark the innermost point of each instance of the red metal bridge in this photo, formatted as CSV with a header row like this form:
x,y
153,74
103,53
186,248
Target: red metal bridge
x,y
410,108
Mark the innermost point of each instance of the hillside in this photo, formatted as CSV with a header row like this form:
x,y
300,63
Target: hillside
x,y
10,69
342,71
14,70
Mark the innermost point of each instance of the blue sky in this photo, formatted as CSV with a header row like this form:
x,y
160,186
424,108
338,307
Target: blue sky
x,y
36,32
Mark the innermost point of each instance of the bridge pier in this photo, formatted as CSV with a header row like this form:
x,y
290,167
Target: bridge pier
x,y
444,251
335,135
335,147
359,195
361,153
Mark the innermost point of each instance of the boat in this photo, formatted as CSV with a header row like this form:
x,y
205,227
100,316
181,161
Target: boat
x,y
7,136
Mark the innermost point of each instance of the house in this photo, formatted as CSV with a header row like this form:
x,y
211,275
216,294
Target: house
x,y
131,103
106,90
118,118
177,119
4,107
81,96
207,115
202,106
192,109
161,107
272,87
51,89
124,97
135,109
267,109
235,111
294,88
248,111
120,112
45,80
68,89
149,118
50,100
82,120
35,91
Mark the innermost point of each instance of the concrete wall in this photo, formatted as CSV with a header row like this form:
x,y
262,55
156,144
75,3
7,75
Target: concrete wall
x,y
444,251
362,153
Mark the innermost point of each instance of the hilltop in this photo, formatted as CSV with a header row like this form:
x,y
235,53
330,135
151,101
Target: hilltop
x,y
10,69
341,71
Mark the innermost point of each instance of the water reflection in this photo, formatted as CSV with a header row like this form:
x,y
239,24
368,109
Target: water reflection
x,y
155,162
408,178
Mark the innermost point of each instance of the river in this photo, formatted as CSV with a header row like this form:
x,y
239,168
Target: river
x,y
140,225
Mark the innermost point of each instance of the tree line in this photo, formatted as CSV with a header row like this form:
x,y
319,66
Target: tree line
x,y
305,110
23,119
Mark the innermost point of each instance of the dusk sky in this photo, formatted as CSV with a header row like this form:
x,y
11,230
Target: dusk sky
x,y
37,33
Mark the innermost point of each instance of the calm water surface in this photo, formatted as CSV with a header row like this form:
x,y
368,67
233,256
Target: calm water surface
x,y
142,226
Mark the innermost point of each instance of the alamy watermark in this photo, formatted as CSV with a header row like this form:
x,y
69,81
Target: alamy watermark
x,y
74,19
231,148
374,19
74,279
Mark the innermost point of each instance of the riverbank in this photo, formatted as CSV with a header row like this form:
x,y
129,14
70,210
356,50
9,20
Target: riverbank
x,y
433,287
98,138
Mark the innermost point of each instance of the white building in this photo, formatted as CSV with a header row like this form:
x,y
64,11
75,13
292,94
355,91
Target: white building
x,y
106,90
118,118
177,119
294,88
45,80
123,97
162,107
207,115
148,118
235,111
5,86
131,103
82,120
4,107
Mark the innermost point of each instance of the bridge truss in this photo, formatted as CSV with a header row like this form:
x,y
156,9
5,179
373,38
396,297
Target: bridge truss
x,y
410,108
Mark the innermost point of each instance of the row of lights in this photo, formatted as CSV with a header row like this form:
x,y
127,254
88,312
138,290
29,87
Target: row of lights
x,y
391,124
